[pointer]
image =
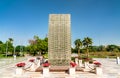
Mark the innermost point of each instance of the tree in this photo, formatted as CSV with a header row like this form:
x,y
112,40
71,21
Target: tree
x,y
1,46
38,46
87,42
113,48
32,47
11,40
93,48
38,43
1,42
101,48
20,49
78,44
42,45
74,50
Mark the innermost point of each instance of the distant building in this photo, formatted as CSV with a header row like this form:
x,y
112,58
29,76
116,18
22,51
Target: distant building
x,y
59,39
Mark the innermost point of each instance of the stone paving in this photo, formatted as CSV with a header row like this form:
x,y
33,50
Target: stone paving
x,y
109,66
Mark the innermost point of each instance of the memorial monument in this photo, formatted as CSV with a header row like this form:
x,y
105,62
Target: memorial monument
x,y
59,40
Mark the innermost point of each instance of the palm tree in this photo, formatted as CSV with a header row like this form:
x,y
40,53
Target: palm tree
x,y
87,42
11,40
78,44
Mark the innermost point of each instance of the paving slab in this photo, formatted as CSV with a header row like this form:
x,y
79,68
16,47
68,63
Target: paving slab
x,y
110,70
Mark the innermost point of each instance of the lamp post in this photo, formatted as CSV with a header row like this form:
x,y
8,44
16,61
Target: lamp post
x,y
14,54
6,48
14,50
21,50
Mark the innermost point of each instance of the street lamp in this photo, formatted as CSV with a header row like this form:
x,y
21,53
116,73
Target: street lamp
x,y
6,48
21,50
14,55
14,50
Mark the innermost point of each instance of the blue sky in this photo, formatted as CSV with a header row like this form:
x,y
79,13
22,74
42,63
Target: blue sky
x,y
97,19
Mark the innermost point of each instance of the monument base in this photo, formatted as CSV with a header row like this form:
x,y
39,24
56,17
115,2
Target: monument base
x,y
98,71
72,71
46,71
59,62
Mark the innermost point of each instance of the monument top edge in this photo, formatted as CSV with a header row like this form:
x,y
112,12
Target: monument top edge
x,y
59,14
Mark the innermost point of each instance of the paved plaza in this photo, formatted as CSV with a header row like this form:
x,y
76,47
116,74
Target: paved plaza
x,y
109,66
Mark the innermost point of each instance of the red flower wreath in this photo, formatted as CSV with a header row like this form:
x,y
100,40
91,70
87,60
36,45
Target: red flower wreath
x,y
31,60
20,64
73,64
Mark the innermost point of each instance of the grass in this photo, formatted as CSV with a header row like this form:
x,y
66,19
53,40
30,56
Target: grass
x,y
104,54
100,55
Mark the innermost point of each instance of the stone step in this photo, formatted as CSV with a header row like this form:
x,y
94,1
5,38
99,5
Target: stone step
x,y
54,74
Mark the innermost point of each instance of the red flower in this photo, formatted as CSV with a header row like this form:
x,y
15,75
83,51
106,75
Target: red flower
x,y
87,59
97,63
20,64
46,64
73,64
31,60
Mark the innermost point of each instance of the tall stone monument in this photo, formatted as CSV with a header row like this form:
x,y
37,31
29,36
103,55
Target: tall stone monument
x,y
59,39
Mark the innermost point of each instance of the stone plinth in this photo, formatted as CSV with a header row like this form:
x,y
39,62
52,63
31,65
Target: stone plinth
x,y
87,68
80,63
72,70
46,71
14,57
76,61
118,60
19,71
86,65
38,63
98,71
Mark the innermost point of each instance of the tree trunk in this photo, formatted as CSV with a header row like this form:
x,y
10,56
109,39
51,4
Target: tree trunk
x,y
87,53
34,53
79,56
40,53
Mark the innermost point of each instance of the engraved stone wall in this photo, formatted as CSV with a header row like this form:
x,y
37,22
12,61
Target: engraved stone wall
x,y
59,39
